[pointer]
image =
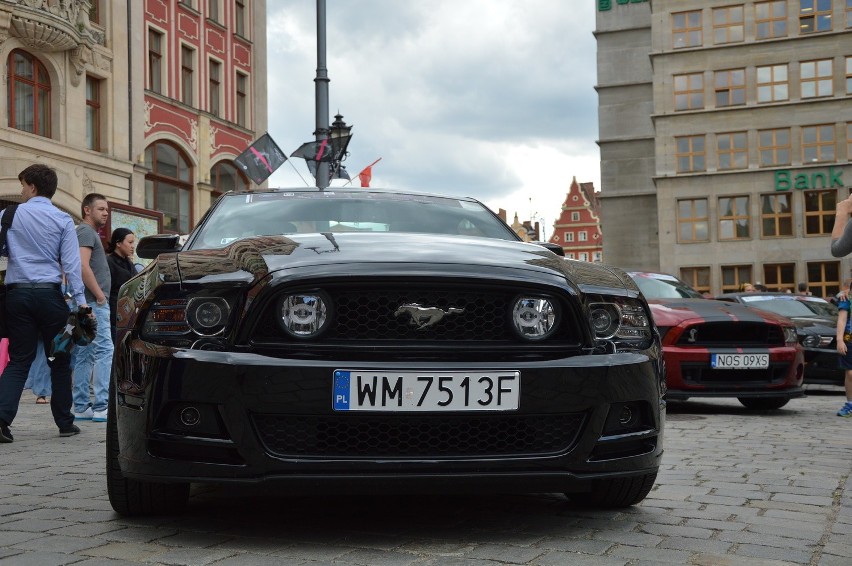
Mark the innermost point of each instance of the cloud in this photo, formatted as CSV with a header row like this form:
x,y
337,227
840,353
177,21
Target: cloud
x,y
486,98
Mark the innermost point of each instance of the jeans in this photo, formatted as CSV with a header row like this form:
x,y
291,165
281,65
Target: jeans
x,y
35,316
39,377
94,362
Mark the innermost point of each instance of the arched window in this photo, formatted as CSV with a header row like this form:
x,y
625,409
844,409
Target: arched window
x,y
29,94
224,176
168,187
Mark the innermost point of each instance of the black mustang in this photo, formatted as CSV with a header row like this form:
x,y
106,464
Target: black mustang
x,y
358,339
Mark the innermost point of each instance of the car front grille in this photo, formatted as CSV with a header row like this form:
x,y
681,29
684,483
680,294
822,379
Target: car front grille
x,y
417,436
367,313
703,374
732,335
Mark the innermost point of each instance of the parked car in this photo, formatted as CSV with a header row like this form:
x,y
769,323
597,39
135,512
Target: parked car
x,y
359,339
722,349
816,323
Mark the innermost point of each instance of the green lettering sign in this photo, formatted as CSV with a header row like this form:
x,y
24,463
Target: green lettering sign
x,y
604,5
784,181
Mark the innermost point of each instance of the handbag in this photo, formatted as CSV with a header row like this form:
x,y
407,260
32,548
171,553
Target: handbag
x,y
8,216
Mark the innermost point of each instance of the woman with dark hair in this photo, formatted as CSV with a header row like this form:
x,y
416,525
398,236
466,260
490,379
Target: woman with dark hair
x,y
122,243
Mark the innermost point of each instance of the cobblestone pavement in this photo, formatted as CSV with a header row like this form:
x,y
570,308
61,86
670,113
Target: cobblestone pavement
x,y
737,487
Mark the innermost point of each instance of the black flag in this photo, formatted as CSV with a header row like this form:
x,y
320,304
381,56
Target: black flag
x,y
261,159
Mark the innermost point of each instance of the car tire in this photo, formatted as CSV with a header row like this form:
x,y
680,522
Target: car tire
x,y
615,493
130,497
762,403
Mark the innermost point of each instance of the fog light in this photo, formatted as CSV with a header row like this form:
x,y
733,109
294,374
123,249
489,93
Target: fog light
x,y
626,417
190,416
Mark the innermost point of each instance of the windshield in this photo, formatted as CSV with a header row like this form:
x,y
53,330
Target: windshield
x,y
791,307
661,286
280,213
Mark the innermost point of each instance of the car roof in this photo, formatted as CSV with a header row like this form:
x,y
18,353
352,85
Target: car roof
x,y
350,190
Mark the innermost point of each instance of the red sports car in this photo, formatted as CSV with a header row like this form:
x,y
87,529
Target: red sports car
x,y
720,349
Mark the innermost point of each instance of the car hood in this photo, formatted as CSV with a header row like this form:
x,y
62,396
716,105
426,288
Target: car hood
x,y
249,260
815,324
671,312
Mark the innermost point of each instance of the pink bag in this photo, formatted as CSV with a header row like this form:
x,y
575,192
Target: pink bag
x,y
4,353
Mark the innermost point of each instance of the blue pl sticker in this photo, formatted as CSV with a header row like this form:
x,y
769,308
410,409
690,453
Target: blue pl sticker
x,y
341,391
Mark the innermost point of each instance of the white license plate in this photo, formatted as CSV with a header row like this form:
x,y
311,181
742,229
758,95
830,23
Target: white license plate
x,y
359,390
739,361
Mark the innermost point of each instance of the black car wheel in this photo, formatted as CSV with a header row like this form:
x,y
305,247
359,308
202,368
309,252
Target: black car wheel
x,y
762,403
615,493
132,497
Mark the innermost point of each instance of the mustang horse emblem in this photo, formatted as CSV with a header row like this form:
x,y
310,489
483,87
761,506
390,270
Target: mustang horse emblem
x,y
424,317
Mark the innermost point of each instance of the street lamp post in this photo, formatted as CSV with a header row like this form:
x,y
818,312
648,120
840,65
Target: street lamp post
x,y
321,89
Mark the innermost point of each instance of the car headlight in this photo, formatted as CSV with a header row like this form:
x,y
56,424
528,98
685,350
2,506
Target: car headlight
x,y
811,341
207,315
790,336
534,318
304,315
622,321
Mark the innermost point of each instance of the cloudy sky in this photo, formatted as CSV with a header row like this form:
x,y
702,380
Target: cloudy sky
x,y
492,99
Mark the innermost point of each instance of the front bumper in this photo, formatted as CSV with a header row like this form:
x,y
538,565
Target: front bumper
x,y
261,418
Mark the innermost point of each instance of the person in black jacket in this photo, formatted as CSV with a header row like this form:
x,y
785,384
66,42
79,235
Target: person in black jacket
x,y
122,243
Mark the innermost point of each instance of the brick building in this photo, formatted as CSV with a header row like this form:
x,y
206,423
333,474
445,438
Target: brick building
x,y
578,228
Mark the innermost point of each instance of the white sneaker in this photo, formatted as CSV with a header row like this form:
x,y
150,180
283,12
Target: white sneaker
x,y
85,415
99,416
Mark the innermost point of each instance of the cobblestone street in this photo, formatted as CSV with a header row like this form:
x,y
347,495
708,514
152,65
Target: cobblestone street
x,y
737,487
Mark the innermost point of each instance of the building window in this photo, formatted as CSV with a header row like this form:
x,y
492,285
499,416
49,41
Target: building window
x,y
93,113
575,216
692,220
569,236
819,211
598,257
690,154
583,236
779,277
155,61
732,150
776,215
215,85
29,94
730,87
849,13
733,276
814,15
849,141
689,91
686,29
224,176
240,18
242,98
824,278
728,24
569,255
818,144
697,277
168,186
95,12
213,10
816,77
187,74
584,256
770,19
733,218
772,83
849,73
774,147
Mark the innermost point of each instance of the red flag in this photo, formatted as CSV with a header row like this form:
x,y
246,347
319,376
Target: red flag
x,y
366,175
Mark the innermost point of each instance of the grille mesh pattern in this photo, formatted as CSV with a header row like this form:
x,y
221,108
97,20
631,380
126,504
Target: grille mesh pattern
x,y
732,335
416,436
369,314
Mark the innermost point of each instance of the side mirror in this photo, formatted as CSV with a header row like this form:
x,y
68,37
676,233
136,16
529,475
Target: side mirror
x,y
150,247
555,248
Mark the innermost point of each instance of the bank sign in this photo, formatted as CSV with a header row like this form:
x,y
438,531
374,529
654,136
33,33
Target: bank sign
x,y
606,5
786,180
